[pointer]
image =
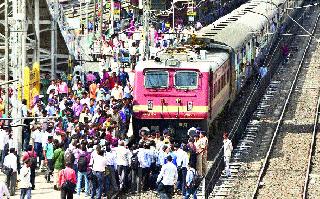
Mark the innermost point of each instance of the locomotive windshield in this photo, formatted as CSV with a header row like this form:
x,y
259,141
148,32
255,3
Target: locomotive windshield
x,y
186,79
156,79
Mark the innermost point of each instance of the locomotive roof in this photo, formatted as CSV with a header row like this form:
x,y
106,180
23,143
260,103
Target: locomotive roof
x,y
236,28
213,61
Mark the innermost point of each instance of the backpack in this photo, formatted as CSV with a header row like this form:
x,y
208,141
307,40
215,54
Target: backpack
x,y
69,156
134,161
67,186
196,180
82,163
33,161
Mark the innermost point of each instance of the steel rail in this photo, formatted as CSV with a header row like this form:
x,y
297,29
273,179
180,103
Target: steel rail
x,y
311,150
275,134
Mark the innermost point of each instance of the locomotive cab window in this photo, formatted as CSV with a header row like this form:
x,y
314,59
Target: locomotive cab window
x,y
186,79
156,79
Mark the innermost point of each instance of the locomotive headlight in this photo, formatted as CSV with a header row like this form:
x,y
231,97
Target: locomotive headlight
x,y
150,104
189,106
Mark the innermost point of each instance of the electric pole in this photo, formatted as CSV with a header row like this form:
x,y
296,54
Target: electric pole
x,y
101,17
6,63
94,17
87,15
173,14
111,17
101,23
146,16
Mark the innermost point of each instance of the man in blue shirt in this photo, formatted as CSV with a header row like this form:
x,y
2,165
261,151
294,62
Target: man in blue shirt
x,y
191,189
50,108
48,157
173,156
92,106
123,77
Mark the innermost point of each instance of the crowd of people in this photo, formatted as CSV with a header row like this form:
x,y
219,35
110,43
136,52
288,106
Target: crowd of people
x,y
79,139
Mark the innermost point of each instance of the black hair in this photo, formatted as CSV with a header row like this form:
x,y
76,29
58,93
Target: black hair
x,y
69,164
108,148
141,145
83,147
103,135
147,145
165,147
24,102
29,148
169,158
12,150
203,133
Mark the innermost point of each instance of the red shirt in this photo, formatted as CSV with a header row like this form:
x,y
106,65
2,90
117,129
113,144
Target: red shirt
x,y
67,174
29,154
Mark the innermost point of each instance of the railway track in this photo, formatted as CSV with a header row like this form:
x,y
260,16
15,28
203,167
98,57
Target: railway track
x,y
281,139
284,166
312,178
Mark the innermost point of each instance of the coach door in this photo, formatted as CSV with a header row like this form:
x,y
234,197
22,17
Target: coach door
x,y
210,94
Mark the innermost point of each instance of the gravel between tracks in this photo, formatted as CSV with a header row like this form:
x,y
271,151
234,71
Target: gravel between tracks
x,y
314,181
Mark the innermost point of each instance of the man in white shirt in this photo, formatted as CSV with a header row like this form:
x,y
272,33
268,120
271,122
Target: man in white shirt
x,y
123,158
99,163
128,89
37,140
4,138
24,184
85,99
12,143
117,92
111,165
182,163
11,161
167,178
52,87
24,108
227,150
145,158
4,190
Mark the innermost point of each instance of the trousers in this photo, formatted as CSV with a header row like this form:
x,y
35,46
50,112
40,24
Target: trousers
x,y
25,193
227,166
66,194
11,183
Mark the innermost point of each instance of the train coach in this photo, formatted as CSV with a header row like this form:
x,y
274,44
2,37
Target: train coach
x,y
191,85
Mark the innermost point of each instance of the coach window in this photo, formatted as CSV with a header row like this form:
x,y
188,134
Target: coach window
x,y
186,79
156,79
215,90
238,57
